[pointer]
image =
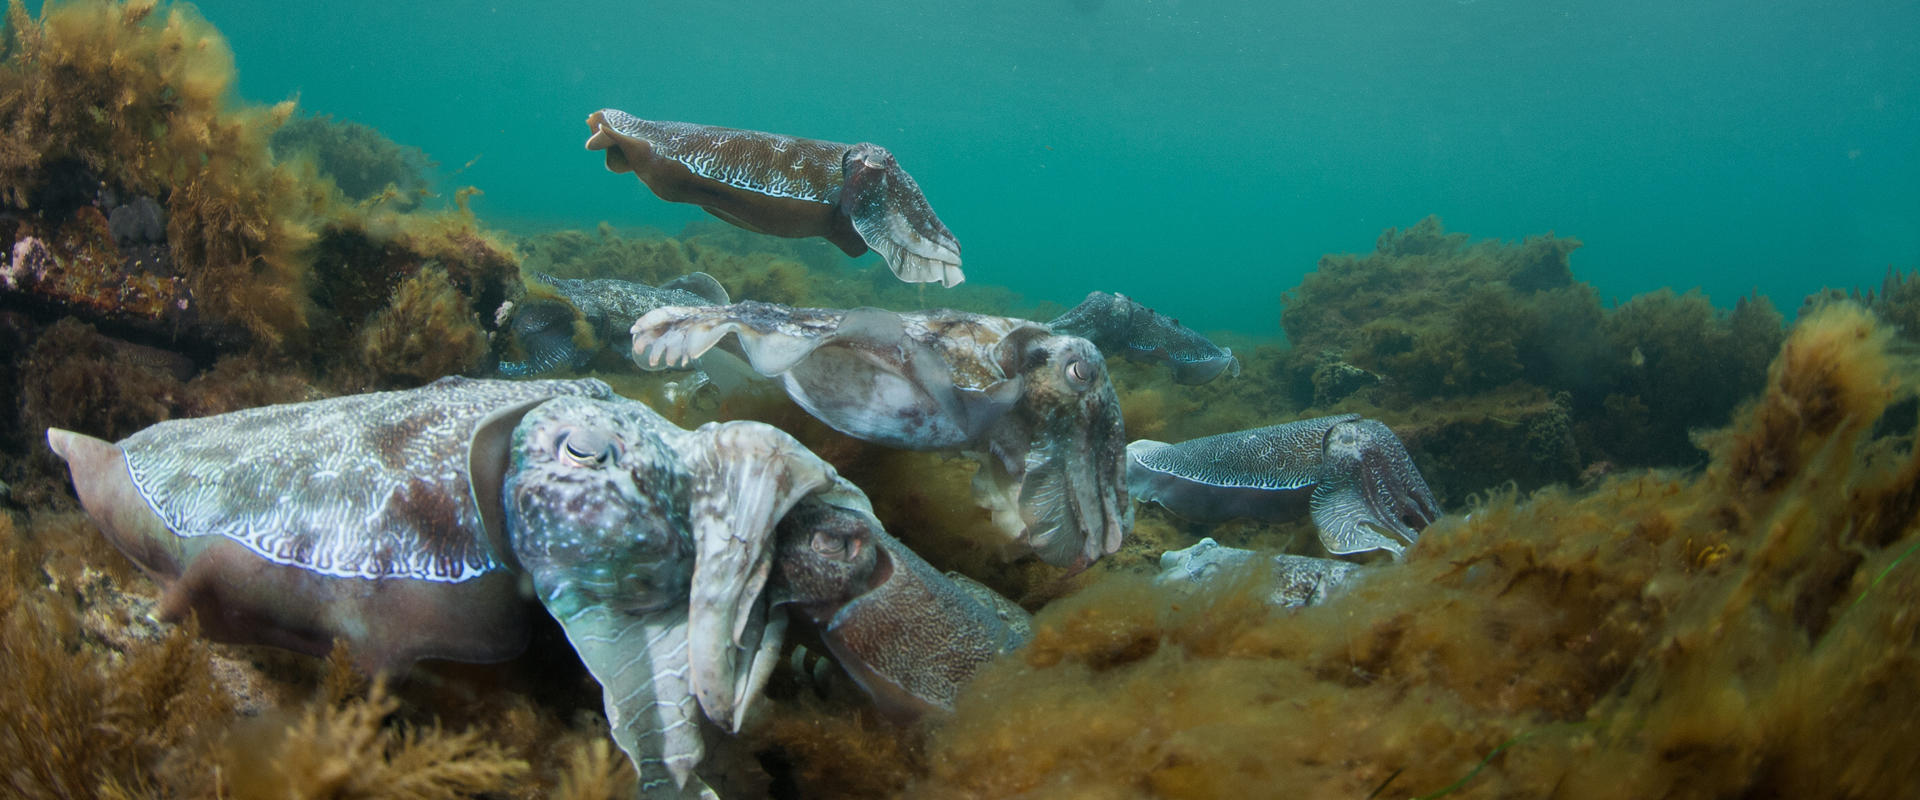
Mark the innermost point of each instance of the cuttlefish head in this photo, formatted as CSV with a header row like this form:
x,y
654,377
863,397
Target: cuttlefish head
x,y
1073,493
596,506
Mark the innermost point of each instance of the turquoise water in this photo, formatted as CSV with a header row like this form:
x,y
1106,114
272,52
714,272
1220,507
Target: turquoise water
x,y
1199,154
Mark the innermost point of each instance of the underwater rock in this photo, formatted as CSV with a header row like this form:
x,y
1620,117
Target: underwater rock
x,y
1297,580
1036,409
546,330
855,196
1120,326
1351,475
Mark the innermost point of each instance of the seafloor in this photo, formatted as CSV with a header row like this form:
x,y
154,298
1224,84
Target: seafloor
x,y
1676,562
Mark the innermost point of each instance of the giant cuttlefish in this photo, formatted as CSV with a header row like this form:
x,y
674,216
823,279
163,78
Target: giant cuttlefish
x,y
855,196
1036,408
1120,326
1352,475
407,522
607,307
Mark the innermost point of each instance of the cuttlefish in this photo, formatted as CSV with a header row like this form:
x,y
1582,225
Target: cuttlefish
x,y
406,523
1351,475
1294,581
1035,408
548,329
855,196
1118,325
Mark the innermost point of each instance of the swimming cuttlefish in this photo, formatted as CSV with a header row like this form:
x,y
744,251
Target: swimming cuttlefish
x,y
546,329
855,196
1034,407
1120,326
1351,475
405,523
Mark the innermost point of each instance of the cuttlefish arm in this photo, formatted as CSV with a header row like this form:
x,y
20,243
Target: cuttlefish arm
x,y
1121,326
894,219
1369,487
293,525
855,196
909,635
747,476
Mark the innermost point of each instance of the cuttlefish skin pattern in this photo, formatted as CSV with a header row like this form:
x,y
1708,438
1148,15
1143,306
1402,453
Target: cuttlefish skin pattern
x,y
608,306
855,196
1351,475
1035,408
908,634
1121,326
291,525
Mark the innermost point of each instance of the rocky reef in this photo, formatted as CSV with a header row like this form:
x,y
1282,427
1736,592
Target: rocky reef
x,y
1677,561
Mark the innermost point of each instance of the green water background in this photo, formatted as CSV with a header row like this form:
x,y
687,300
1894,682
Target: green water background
x,y
1198,154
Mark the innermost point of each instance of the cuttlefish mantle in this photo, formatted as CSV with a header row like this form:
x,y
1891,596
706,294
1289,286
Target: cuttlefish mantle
x,y
855,196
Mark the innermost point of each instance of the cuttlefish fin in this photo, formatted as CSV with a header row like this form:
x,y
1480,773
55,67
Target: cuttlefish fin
x,y
674,336
747,476
892,216
701,285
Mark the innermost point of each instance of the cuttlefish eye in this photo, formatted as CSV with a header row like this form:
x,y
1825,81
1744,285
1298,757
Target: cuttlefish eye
x,y
1079,375
835,547
585,448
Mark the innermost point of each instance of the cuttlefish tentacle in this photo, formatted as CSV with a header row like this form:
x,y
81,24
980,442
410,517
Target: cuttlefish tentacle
x,y
855,196
1121,326
1352,476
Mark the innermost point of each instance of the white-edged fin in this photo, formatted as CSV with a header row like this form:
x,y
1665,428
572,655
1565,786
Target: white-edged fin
x,y
1346,523
747,475
489,453
676,335
641,664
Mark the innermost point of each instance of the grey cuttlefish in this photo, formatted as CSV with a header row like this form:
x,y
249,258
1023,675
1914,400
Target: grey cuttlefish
x,y
1351,475
855,196
1036,408
547,328
407,523
1120,326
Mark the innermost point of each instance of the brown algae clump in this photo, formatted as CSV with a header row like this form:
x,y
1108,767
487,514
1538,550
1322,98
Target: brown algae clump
x,y
1746,629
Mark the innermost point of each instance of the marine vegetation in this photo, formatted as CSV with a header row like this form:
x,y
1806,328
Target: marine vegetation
x,y
141,194
1715,634
362,162
1489,359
